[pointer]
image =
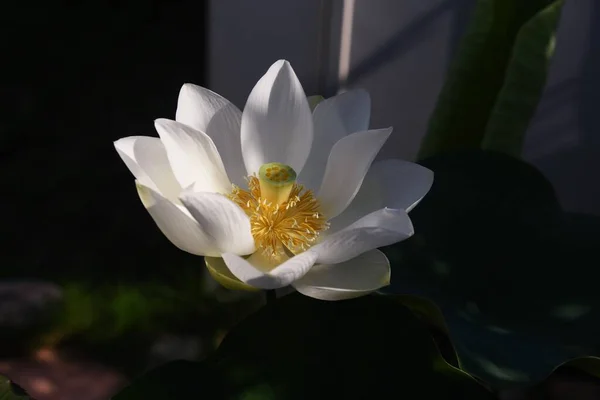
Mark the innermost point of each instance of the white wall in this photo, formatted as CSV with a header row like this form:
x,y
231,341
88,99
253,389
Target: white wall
x,y
400,52
247,36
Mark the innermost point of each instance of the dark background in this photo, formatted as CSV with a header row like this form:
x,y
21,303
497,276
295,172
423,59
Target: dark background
x,y
76,77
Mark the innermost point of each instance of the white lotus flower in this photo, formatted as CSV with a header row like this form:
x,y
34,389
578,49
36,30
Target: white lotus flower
x,y
277,195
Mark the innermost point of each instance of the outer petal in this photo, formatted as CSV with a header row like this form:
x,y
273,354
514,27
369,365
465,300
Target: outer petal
x,y
208,112
277,122
147,160
222,220
347,166
176,224
124,147
380,228
389,183
333,119
282,275
193,156
354,278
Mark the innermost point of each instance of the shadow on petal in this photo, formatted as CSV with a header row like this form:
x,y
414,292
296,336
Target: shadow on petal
x,y
219,271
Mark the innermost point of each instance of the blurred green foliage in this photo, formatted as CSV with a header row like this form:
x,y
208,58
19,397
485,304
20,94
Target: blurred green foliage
x,y
524,82
116,320
496,78
11,391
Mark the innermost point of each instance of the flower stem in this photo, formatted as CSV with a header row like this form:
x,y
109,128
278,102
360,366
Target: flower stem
x,y
271,296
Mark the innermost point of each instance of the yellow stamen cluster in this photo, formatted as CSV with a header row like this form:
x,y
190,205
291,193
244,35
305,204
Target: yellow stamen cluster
x,y
292,222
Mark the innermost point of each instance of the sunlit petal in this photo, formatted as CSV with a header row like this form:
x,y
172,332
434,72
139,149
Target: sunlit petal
x,y
277,123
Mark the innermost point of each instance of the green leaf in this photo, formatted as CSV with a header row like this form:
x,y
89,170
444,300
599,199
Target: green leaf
x,y
514,277
476,75
494,345
590,365
301,348
432,316
524,83
11,391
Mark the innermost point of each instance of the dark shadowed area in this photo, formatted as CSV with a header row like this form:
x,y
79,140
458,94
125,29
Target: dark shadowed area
x,y
75,77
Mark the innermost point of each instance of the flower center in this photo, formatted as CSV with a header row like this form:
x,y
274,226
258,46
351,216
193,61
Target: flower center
x,y
283,214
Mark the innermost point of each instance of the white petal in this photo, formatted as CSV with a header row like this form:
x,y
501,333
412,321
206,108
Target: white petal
x,y
124,147
208,112
333,119
176,224
380,228
357,277
389,183
147,160
347,166
151,156
222,220
347,112
282,275
193,156
277,122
